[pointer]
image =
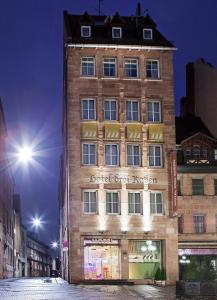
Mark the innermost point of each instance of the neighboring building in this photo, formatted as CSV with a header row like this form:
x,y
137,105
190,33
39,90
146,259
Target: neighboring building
x,y
197,199
201,91
6,205
39,258
20,240
117,217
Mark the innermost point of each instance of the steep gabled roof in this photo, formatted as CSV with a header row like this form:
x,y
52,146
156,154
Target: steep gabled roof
x,y
101,30
189,126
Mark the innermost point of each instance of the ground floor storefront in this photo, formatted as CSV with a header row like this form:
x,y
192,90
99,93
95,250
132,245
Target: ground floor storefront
x,y
128,259
197,263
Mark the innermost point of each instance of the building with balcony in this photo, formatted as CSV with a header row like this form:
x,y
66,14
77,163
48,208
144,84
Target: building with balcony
x,y
117,205
197,199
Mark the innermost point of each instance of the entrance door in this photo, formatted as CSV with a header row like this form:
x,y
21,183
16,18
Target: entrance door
x,y
101,262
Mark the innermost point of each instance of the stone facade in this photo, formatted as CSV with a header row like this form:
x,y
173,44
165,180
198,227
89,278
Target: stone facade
x,y
101,228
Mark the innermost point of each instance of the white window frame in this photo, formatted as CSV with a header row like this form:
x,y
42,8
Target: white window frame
x,y
90,191
134,206
155,203
119,202
152,102
147,30
161,156
118,153
112,63
82,108
131,111
158,69
120,31
94,65
83,163
111,100
196,186
140,159
82,32
137,67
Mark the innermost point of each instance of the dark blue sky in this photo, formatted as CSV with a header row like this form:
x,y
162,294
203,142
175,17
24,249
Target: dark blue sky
x,y
31,77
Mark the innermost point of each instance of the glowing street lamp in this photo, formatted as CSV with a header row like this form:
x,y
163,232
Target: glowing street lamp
x,y
36,222
54,245
25,154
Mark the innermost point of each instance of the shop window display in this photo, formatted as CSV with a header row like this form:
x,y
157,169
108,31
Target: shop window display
x,y
144,259
101,262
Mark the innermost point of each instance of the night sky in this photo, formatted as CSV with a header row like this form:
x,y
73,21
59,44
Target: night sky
x,y
31,76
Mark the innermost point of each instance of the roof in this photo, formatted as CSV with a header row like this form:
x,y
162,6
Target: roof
x,y
189,126
101,33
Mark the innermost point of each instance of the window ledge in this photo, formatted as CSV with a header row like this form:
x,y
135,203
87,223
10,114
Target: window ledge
x,y
88,77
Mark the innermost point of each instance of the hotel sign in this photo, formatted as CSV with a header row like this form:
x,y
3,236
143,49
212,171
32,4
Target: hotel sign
x,y
99,241
122,179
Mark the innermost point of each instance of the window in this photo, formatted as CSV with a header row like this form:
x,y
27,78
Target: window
x,y
111,155
215,154
89,154
199,224
110,110
116,32
154,111
152,69
88,66
85,31
216,223
132,110
131,67
179,191
147,34
90,204
188,154
180,223
215,186
109,67
156,203
155,159
196,152
197,187
134,203
112,203
133,155
88,109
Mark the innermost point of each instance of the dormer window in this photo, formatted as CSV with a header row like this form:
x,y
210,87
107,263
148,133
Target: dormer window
x,y
147,34
85,31
116,32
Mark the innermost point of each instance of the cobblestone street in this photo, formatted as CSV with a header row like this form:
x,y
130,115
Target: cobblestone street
x,y
57,289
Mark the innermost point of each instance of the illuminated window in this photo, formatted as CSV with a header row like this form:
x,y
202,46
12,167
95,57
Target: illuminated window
x,y
197,187
133,155
147,34
111,154
88,66
85,31
90,203
109,67
89,154
156,203
152,69
155,156
112,203
132,110
199,224
154,111
131,67
116,32
134,203
88,109
110,110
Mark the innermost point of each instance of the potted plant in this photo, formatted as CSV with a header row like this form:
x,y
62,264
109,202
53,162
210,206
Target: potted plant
x,y
160,277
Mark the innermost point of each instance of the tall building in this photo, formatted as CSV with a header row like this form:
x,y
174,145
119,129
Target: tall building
x,y
118,199
201,91
197,195
6,205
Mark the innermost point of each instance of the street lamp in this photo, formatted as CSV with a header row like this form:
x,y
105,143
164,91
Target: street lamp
x,y
25,154
36,222
54,245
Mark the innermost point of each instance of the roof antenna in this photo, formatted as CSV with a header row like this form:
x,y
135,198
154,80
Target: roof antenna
x,y
99,7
